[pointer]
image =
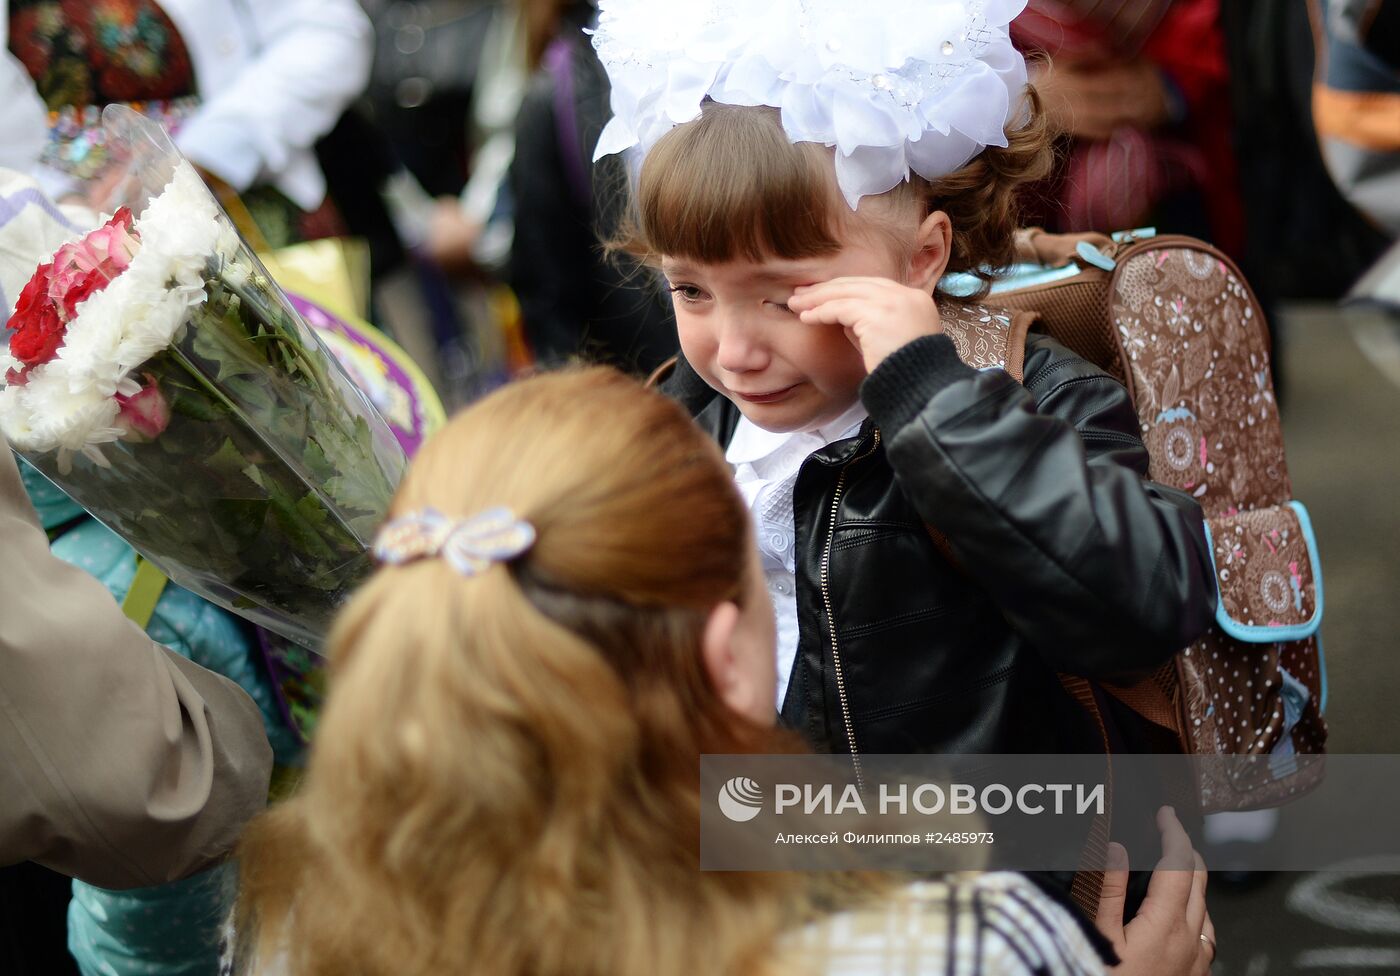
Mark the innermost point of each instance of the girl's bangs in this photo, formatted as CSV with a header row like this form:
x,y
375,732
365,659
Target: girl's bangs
x,y
730,186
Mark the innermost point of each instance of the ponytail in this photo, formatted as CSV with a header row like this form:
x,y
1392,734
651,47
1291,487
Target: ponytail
x,y
506,774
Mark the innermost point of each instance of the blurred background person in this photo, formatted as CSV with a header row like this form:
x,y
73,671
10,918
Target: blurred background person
x,y
1356,110
1304,240
1356,103
576,300
258,95
494,108
447,82
246,88
1138,91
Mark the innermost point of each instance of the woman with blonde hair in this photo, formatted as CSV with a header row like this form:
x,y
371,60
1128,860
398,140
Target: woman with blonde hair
x,y
506,774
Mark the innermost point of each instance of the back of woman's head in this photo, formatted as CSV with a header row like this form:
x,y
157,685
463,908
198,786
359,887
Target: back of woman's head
x,y
515,754
639,533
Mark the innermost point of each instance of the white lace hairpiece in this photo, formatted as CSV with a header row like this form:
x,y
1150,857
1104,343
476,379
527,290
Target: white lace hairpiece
x,y
894,86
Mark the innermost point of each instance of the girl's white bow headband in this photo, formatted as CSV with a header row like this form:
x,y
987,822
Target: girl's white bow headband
x,y
894,86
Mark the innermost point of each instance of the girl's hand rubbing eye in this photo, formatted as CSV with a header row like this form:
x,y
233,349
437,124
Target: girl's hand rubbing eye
x,y
879,315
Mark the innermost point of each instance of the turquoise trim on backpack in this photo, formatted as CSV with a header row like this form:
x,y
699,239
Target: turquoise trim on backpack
x,y
1030,275
1089,254
962,285
1256,634
1136,234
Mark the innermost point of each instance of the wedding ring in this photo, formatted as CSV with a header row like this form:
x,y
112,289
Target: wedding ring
x,y
1210,942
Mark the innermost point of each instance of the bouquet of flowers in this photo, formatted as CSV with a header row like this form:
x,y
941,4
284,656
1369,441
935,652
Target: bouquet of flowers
x,y
158,375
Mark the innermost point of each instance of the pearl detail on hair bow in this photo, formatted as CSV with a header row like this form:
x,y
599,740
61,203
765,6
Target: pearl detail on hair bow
x,y
470,545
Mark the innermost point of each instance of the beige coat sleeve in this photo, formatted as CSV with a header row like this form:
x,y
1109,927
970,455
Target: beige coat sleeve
x,y
121,763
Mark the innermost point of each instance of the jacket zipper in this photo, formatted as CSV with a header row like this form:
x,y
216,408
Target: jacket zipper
x,y
831,615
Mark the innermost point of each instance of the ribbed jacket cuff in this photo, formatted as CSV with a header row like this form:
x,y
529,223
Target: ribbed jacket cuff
x,y
904,383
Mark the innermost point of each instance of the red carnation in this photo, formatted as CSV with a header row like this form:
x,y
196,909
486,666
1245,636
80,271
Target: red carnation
x,y
37,288
81,287
36,326
36,340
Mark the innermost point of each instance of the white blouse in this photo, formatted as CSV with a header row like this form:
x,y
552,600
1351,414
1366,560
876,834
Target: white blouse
x,y
765,469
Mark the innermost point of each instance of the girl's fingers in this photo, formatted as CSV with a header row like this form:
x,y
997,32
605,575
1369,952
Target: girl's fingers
x,y
841,311
806,296
845,280
824,293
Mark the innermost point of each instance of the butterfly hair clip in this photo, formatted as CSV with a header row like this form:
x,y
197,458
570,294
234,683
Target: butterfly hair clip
x,y
470,545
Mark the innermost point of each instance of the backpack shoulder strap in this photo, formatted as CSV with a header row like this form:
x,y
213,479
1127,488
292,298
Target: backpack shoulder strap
x,y
988,337
662,373
144,593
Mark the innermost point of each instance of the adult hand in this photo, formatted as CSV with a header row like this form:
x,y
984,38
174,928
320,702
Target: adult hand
x,y
452,238
1089,100
1172,934
879,315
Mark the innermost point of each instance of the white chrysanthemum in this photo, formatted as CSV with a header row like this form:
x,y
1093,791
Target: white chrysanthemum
x,y
43,415
921,85
154,321
181,225
227,243
18,422
70,420
88,359
69,403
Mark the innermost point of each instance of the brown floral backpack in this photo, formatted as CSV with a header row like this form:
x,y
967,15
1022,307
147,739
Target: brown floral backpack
x,y
1173,319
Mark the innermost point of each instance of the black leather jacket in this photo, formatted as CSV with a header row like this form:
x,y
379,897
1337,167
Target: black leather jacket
x,y
1067,559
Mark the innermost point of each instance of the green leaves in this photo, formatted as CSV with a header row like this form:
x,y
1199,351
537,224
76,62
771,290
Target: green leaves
x,y
266,484
357,482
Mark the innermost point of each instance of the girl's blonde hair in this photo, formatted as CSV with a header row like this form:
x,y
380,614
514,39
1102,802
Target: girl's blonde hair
x,y
730,185
505,778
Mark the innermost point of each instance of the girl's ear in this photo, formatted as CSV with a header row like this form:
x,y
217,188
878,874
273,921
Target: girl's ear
x,y
934,244
722,658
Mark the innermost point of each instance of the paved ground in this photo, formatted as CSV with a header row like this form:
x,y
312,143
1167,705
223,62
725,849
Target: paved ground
x,y
1341,410
1342,428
